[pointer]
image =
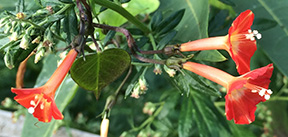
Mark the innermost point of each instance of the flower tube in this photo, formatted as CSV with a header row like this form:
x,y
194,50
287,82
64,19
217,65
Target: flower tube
x,y
40,101
243,92
240,42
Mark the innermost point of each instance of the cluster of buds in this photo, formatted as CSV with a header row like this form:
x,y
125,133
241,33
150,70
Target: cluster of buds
x,y
149,108
139,88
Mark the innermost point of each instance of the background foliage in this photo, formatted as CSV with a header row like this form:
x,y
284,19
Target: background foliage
x,y
185,105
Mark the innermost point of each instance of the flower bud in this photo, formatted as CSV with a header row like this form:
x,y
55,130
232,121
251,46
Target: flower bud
x,y
24,44
14,36
40,53
36,40
157,70
149,108
143,84
136,91
104,127
20,15
8,59
171,72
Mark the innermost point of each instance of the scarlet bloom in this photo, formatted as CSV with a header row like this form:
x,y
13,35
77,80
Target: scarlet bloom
x,y
40,101
240,42
243,92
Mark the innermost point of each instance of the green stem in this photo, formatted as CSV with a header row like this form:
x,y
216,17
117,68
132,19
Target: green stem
x,y
279,99
152,41
67,6
124,13
141,64
150,119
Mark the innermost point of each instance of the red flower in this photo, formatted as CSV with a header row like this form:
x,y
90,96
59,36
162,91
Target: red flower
x,y
40,101
243,92
239,42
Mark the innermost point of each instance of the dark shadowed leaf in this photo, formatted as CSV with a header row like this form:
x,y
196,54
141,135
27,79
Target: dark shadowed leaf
x,y
188,81
208,119
70,24
185,118
98,70
166,39
264,24
169,23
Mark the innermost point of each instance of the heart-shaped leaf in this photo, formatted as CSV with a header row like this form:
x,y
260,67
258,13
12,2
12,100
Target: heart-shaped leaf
x,y
98,70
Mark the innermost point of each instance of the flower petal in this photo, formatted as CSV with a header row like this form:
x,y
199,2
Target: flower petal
x,y
261,76
24,96
43,111
241,98
242,23
241,49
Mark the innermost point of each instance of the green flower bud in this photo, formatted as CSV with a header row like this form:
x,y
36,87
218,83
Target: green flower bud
x,y
24,44
8,59
40,53
169,71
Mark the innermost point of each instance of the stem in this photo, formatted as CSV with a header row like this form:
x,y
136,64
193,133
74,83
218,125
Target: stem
x,y
205,44
130,42
141,64
124,13
150,119
67,6
211,73
123,82
95,42
279,99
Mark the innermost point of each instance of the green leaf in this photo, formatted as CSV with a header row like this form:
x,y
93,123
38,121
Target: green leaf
x,y
228,2
209,55
188,81
63,96
194,24
274,41
185,118
109,36
156,20
264,24
98,70
166,39
134,7
208,119
55,17
70,28
170,22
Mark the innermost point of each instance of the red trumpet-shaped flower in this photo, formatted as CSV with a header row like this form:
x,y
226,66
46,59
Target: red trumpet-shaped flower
x,y
40,101
239,42
243,92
